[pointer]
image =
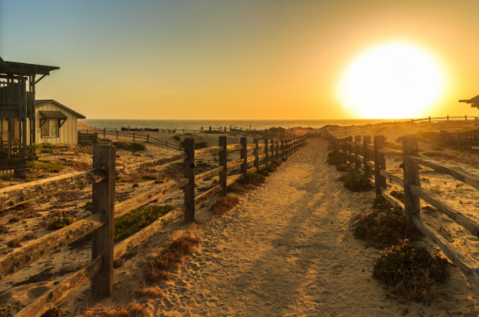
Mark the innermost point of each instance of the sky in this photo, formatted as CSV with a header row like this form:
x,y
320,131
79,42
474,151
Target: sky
x,y
230,59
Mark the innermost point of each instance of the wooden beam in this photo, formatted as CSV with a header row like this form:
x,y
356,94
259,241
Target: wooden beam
x,y
411,178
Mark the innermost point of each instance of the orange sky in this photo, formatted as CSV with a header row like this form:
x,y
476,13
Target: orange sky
x,y
225,59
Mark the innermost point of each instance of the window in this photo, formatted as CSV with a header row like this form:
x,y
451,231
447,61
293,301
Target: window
x,y
50,128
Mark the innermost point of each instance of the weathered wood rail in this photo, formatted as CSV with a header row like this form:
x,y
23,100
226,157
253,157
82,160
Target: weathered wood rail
x,y
101,222
367,157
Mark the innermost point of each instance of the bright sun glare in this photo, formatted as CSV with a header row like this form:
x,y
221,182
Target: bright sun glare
x,y
392,80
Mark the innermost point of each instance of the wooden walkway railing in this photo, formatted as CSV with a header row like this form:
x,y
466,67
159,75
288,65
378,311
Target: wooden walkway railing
x,y
366,156
101,222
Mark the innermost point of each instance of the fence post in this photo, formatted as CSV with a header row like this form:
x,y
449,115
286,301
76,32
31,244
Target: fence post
x,y
223,174
366,154
266,158
357,152
147,138
117,135
104,132
244,157
411,177
133,136
465,117
189,189
272,150
379,164
276,149
429,119
256,154
104,202
283,153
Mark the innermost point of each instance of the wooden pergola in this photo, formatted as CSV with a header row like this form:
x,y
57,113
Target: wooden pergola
x,y
17,104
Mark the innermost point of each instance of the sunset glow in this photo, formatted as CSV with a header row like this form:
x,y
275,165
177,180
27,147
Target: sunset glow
x,y
392,80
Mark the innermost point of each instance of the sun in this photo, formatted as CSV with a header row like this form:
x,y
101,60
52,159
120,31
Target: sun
x,y
391,80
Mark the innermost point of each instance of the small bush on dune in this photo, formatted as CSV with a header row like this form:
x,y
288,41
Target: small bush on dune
x,y
132,310
56,312
384,227
399,195
224,204
177,138
170,259
14,243
149,292
356,182
411,271
336,158
59,223
132,147
254,179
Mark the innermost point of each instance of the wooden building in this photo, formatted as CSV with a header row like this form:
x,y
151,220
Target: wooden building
x,y
56,123
473,101
17,111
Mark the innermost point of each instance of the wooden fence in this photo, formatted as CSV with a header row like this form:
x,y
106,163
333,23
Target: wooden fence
x,y
101,222
370,157
87,137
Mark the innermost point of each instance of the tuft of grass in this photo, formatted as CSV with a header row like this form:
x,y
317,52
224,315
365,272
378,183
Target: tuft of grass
x,y
198,146
383,227
177,138
224,204
56,312
132,147
138,219
254,179
411,271
88,206
61,222
149,293
3,228
399,195
356,182
14,243
6,311
51,167
159,268
428,135
132,310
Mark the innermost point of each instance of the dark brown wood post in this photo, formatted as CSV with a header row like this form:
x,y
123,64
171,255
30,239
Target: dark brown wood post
x,y
256,154
244,156
429,119
276,147
104,203
133,136
189,189
357,152
272,150
117,135
379,164
367,155
266,148
447,118
283,152
147,138
411,178
223,174
104,132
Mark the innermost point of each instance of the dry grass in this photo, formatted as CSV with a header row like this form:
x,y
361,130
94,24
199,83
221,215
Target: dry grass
x,y
224,204
149,292
170,259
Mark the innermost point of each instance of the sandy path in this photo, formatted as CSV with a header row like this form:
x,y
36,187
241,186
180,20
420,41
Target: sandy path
x,y
287,250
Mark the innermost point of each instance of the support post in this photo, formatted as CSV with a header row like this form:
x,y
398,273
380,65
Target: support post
x,y
104,203
379,164
367,155
272,150
411,177
256,154
357,152
283,152
189,189
266,158
133,136
147,138
117,135
244,157
222,157
104,132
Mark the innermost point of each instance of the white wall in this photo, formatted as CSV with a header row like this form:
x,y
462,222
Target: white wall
x,y
68,132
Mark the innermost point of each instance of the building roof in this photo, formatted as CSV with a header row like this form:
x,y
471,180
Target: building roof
x,y
14,68
39,103
472,100
53,114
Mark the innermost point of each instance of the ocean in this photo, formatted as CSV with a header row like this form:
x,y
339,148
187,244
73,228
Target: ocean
x,y
205,124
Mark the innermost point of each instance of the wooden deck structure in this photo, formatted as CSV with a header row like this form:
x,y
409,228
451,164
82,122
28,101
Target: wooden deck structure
x,y
17,104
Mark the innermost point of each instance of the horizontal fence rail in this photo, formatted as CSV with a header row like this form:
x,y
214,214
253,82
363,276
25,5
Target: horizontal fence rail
x,y
101,223
367,157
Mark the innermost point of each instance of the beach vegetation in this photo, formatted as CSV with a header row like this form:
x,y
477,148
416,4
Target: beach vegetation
x,y
429,136
356,181
138,219
399,195
336,158
132,310
88,206
14,243
6,311
149,293
3,228
159,268
176,138
411,271
131,147
198,145
61,222
224,204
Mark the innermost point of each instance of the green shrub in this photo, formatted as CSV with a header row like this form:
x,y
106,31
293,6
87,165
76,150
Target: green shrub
x,y
177,138
138,219
59,223
14,243
254,179
383,227
132,147
411,271
55,312
399,195
356,182
149,177
336,158
88,206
